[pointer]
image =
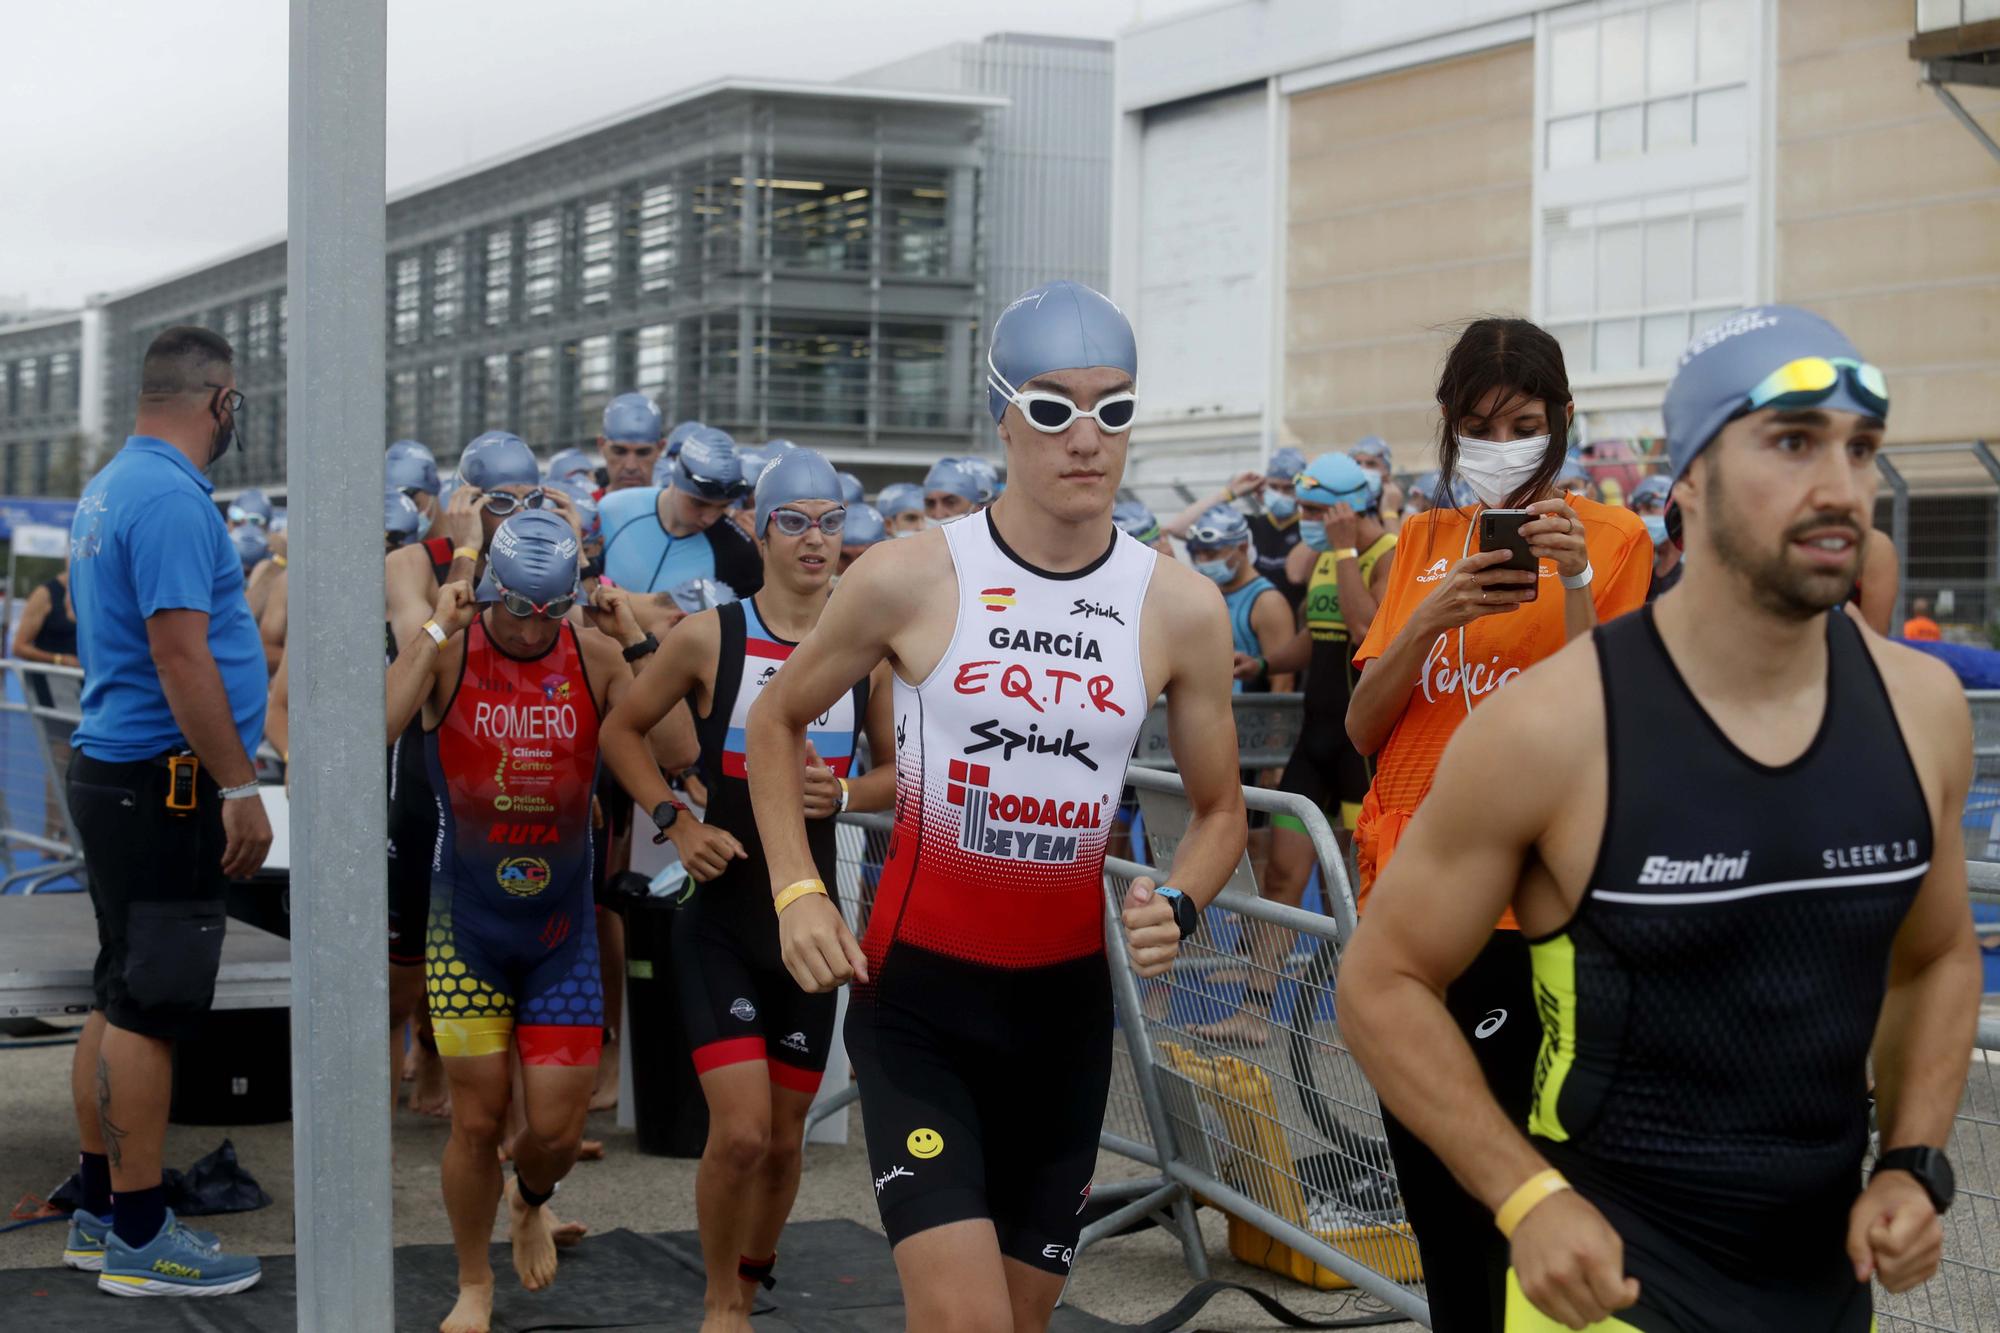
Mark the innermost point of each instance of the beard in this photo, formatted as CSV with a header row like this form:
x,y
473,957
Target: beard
x,y
1777,584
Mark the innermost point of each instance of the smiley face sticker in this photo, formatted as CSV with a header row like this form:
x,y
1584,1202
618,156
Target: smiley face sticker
x,y
924,1144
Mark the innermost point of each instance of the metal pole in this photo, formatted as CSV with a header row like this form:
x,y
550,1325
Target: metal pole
x,y
1899,530
340,991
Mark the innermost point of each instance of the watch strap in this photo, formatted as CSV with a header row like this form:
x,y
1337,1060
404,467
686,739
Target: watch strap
x,y
640,649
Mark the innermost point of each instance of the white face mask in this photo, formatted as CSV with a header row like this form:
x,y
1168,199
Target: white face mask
x,y
1496,469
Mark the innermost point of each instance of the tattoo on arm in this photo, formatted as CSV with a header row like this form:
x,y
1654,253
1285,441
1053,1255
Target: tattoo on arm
x,y
114,1137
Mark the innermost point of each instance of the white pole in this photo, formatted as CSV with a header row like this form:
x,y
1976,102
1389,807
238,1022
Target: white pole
x,y
334,388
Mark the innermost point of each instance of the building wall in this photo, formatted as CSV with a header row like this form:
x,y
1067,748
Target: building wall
x,y
1408,210
41,394
1888,215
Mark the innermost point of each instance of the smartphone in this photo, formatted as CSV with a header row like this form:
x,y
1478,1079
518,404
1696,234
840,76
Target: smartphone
x,y
1500,530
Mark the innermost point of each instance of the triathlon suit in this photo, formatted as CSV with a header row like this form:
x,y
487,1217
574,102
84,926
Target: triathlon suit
x,y
1325,768
1707,1012
737,1000
640,555
511,945
982,1042
1664,583
413,814
57,635
1241,631
1271,544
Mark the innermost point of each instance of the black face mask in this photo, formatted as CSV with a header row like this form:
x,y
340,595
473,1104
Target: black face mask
x,y
225,435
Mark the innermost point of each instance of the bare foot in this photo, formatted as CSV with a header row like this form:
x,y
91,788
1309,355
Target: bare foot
x,y
604,1097
566,1234
725,1321
590,1150
1242,1028
474,1311
430,1093
534,1244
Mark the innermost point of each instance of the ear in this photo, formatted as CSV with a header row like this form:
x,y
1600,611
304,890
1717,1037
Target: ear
x,y
1569,415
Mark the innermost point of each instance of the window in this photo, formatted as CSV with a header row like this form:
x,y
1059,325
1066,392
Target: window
x,y
28,399
403,405
594,369
1651,80
406,323
653,361
62,382
659,231
284,323
913,379
230,325
447,289
259,348
541,265
496,407
816,224
538,396
818,371
442,428
499,276
918,239
1621,282
600,252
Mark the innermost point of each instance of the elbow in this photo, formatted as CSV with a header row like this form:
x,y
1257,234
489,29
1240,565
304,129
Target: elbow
x,y
1360,731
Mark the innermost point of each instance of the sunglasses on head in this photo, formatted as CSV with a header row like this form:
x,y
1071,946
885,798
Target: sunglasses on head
x,y
521,607
1053,413
794,522
502,503
1813,379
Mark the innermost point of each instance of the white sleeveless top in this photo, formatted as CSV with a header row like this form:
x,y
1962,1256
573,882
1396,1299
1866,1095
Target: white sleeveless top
x,y
1010,757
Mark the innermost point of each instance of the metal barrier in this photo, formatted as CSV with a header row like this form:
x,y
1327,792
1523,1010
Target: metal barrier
x,y
41,707
1267,727
1982,801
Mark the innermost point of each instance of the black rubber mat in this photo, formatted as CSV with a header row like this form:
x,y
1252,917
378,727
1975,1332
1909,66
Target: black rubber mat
x,y
833,1277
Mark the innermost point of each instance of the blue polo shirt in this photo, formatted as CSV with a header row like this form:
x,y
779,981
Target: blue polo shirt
x,y
147,538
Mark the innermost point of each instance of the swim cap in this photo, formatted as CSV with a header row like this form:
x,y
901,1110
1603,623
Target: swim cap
x,y
864,526
900,497
1285,464
951,476
678,436
707,466
633,419
1219,528
1136,519
753,462
252,501
411,469
1655,487
534,553
1370,446
796,474
778,446
851,489
582,494
701,594
1725,363
985,474
1333,479
1057,326
400,516
571,463
251,545
446,486
498,458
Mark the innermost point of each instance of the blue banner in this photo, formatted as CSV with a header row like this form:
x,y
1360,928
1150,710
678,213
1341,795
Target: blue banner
x,y
34,511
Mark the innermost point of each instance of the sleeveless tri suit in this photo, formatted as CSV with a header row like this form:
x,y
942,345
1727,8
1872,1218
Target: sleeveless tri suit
x,y
982,1042
511,946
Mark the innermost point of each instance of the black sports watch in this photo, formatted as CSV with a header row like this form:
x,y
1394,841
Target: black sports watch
x,y
1931,1168
664,815
638,650
1186,915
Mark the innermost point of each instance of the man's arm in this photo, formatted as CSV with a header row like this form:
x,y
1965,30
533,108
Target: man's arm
x,y
1244,483
1271,622
192,683
33,613
274,623
1201,728
278,712
413,676
672,676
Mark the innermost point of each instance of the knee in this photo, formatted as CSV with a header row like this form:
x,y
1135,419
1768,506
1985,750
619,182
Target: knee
x,y
476,1123
782,1154
739,1146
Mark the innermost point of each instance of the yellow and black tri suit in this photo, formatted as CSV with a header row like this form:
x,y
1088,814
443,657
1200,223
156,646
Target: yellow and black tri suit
x,y
1708,1010
1325,768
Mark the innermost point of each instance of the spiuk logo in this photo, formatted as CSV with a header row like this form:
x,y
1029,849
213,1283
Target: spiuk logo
x,y
523,876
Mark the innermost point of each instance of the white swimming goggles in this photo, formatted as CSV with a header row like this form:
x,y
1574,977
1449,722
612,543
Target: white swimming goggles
x,y
1053,413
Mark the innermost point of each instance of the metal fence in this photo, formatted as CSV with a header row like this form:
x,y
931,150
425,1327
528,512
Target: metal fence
x,y
40,707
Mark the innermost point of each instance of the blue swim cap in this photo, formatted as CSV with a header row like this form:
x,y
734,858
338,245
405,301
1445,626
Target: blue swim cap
x,y
411,469
632,418
583,495
851,489
1285,464
570,463
951,476
1134,518
864,526
701,594
900,497
708,466
1220,528
251,545
678,436
498,458
1724,363
1370,446
753,462
985,474
401,518
1653,487
1334,479
252,501
795,474
778,446
1057,326
534,553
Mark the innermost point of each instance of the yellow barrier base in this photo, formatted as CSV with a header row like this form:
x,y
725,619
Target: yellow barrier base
x,y
1391,1251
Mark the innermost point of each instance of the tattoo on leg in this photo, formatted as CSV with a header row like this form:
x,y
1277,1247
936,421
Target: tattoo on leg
x,y
113,1136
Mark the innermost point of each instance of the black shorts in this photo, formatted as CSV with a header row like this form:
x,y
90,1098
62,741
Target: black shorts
x,y
982,1095
738,1003
413,826
156,881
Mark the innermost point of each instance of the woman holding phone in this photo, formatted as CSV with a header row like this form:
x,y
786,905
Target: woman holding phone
x,y
1453,627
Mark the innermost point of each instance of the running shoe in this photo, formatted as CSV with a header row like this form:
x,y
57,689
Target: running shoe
x,y
174,1263
84,1250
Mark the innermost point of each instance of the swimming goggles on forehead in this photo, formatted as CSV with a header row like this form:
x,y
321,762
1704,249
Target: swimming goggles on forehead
x,y
1053,413
502,503
795,522
1813,379
521,606
239,515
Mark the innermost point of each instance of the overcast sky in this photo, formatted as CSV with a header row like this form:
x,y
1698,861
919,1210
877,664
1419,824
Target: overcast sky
x,y
139,137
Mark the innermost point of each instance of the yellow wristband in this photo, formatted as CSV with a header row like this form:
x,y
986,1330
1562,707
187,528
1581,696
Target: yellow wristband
x,y
803,889
466,553
1346,553
1524,1200
436,631
280,561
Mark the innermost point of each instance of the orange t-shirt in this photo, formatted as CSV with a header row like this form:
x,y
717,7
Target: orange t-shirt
x,y
1496,649
1923,629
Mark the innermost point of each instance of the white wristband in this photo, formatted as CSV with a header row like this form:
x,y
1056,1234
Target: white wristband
x,y
1579,581
436,631
242,793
